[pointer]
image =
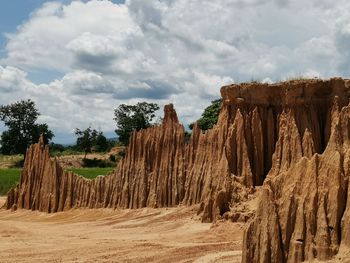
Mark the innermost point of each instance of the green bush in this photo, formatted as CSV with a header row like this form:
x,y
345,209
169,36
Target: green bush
x,y
97,163
112,158
18,164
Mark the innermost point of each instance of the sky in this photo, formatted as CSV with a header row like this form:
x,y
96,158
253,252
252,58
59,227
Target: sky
x,y
79,60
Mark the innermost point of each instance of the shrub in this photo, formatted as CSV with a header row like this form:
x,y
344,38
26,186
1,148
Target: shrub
x,y
97,163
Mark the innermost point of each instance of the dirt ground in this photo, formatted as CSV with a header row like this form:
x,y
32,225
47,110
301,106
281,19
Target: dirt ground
x,y
76,161
105,235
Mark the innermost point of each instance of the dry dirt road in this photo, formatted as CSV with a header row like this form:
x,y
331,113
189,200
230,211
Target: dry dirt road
x,y
105,235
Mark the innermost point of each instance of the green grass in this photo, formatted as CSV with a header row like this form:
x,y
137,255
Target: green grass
x,y
8,179
91,173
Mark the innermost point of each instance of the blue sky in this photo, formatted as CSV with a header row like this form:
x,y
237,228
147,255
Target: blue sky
x,y
12,13
78,60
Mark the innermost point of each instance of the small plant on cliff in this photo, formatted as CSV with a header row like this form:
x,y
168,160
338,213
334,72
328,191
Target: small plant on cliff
x,y
210,116
20,119
133,117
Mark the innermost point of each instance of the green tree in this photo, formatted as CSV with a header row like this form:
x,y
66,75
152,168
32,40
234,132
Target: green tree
x,y
133,117
20,119
91,140
210,116
86,139
101,143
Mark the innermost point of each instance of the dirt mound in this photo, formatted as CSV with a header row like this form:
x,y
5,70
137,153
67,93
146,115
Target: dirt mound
x,y
77,160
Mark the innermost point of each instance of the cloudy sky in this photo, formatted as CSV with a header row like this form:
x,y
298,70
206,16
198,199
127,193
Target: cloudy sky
x,y
78,60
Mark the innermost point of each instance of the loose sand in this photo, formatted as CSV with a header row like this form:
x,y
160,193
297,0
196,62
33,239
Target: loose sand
x,y
105,235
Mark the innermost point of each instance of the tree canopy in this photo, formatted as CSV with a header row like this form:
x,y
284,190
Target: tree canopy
x,y
209,116
20,119
85,139
101,142
90,139
133,117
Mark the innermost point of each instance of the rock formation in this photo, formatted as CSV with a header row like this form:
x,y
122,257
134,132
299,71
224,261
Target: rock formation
x,y
304,207
152,174
292,137
160,169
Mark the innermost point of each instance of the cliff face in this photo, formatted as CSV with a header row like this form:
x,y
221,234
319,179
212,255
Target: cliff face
x,y
293,138
304,208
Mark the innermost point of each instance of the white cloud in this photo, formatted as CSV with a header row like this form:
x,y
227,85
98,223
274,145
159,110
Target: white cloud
x,y
51,35
84,82
12,79
178,51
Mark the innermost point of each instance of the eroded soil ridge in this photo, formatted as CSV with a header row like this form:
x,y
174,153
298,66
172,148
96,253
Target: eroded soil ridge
x,y
292,137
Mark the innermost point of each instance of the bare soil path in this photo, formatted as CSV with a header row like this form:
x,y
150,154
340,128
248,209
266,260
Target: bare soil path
x,y
105,235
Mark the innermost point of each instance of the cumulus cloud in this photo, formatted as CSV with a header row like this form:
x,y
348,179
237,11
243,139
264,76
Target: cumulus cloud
x,y
12,79
178,51
62,109
53,32
84,82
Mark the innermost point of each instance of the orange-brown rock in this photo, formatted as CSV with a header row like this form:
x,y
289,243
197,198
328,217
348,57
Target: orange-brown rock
x,y
152,174
292,137
303,211
160,169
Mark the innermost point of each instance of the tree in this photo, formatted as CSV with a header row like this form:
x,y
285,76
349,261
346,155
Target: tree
x,y
101,143
91,140
86,139
20,119
133,117
210,116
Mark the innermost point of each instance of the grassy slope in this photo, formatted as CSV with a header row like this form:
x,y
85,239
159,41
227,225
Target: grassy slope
x,y
10,177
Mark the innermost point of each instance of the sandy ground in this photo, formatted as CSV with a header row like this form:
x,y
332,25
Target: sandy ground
x,y
105,235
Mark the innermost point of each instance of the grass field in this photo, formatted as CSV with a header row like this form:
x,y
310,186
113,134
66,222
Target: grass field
x,y
10,177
